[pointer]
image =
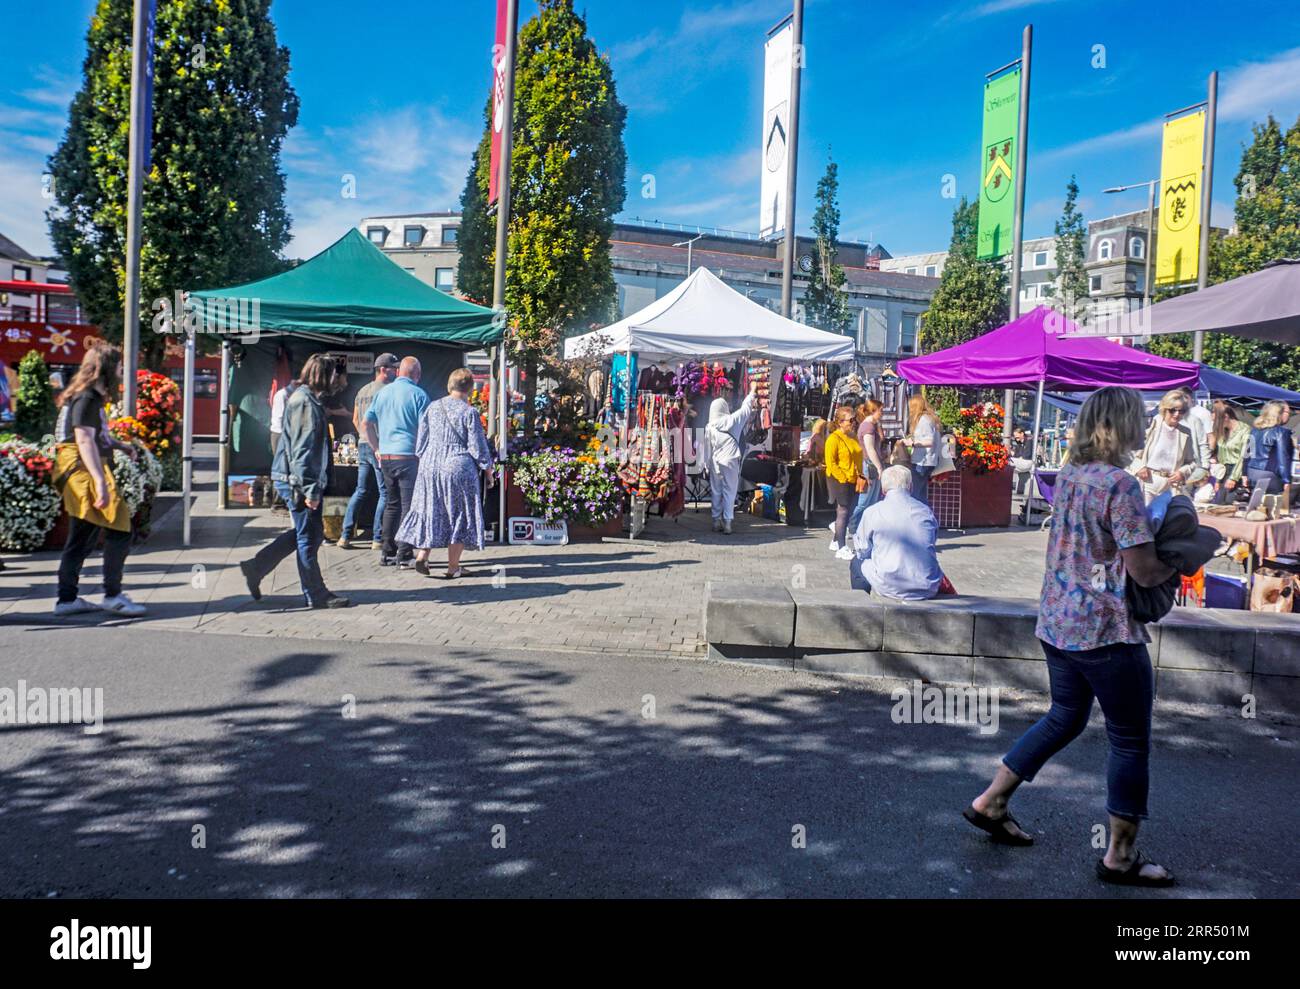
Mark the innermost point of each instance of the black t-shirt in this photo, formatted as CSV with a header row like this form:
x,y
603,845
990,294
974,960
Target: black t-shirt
x,y
87,409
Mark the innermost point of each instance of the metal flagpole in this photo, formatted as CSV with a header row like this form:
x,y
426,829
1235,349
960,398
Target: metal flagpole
x,y
223,438
187,437
134,184
1018,223
503,230
1207,189
796,66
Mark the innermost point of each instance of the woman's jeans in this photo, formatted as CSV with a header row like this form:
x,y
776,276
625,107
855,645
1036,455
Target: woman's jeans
x,y
1264,480
369,481
921,483
865,500
303,540
1121,679
82,539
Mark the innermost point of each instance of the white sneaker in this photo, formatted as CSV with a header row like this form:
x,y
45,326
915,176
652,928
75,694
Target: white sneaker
x,y
844,553
830,527
77,607
834,546
123,605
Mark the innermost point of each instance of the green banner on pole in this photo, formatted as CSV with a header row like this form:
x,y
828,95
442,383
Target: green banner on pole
x,y
998,165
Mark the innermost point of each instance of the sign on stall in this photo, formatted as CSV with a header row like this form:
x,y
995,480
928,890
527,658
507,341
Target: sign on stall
x,y
360,362
538,532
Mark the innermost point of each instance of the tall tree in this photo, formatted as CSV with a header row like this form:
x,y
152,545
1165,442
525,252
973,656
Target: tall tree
x,y
1071,289
213,198
825,303
972,294
1267,215
567,185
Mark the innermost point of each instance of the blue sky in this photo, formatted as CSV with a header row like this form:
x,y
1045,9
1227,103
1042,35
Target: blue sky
x,y
392,93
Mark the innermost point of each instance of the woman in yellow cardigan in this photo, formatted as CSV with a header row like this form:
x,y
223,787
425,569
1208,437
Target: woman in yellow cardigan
x,y
843,470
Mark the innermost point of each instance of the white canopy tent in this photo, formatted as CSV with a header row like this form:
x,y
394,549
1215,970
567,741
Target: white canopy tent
x,y
704,317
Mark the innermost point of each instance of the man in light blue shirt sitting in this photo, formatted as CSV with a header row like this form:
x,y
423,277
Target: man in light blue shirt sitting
x,y
895,543
392,424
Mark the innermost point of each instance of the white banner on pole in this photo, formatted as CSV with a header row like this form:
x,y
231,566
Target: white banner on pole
x,y
776,129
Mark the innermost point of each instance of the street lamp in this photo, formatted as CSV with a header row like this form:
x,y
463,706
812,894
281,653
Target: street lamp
x,y
687,244
1151,220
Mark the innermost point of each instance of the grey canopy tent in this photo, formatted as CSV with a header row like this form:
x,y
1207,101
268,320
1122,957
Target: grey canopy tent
x,y
1264,305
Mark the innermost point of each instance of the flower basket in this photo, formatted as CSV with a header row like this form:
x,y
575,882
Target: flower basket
x,y
986,498
559,484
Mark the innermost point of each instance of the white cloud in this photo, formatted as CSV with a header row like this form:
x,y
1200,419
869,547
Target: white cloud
x,y
402,161
1247,93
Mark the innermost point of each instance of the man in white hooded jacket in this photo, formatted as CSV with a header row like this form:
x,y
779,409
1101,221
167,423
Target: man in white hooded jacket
x,y
723,434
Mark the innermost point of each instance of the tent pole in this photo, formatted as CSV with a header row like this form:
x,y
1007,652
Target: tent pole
x,y
1033,457
187,440
503,439
223,439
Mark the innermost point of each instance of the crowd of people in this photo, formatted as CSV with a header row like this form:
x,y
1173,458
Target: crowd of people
x,y
419,460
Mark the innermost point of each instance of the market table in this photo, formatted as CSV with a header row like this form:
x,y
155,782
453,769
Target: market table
x,y
1268,540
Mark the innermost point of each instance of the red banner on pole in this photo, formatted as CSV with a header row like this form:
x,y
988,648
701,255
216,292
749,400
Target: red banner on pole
x,y
498,97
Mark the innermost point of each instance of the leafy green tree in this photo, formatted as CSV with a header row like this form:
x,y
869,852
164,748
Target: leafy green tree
x,y
213,198
1267,214
972,294
825,303
567,185
476,239
1071,288
34,403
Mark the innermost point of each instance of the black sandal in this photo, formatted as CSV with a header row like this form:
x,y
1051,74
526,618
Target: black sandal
x,y
993,827
1132,876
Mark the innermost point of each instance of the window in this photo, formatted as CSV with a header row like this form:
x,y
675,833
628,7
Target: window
x,y
449,234
909,271
1094,283
21,314
1040,259
22,273
907,345
930,270
1140,282
413,236
442,278
1135,247
377,235
1105,249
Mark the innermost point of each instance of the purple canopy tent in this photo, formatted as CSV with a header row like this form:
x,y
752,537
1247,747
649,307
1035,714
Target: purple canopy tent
x,y
1032,352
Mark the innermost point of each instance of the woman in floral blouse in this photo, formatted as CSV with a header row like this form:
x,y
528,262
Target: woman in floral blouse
x,y
1100,536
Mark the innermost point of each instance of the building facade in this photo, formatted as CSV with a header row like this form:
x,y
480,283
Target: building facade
x,y
425,244
650,259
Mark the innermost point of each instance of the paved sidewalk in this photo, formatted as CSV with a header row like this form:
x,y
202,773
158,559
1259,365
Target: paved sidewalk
x,y
642,597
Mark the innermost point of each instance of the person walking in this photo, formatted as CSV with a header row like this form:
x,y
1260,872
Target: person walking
x,y
392,427
1270,450
843,471
1228,440
873,465
925,439
1100,538
1174,453
370,482
95,506
300,473
446,504
723,435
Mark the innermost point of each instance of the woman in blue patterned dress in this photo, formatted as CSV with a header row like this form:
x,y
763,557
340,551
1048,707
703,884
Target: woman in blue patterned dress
x,y
446,508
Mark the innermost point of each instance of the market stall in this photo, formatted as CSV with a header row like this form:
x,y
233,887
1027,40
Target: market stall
x,y
1037,352
350,301
662,367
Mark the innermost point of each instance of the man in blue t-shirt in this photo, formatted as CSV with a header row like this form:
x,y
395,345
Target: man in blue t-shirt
x,y
392,425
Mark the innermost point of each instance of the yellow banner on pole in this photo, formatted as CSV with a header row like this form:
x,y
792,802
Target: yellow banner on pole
x,y
1181,166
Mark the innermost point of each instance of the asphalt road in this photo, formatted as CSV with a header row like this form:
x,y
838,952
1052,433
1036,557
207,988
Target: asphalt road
x,y
554,757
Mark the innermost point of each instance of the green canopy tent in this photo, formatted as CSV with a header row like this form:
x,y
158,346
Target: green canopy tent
x,y
350,297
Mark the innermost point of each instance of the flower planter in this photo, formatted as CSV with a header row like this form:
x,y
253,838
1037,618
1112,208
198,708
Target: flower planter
x,y
986,498
57,536
516,507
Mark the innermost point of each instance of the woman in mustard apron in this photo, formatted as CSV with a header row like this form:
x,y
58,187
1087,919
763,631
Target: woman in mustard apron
x,y
95,507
